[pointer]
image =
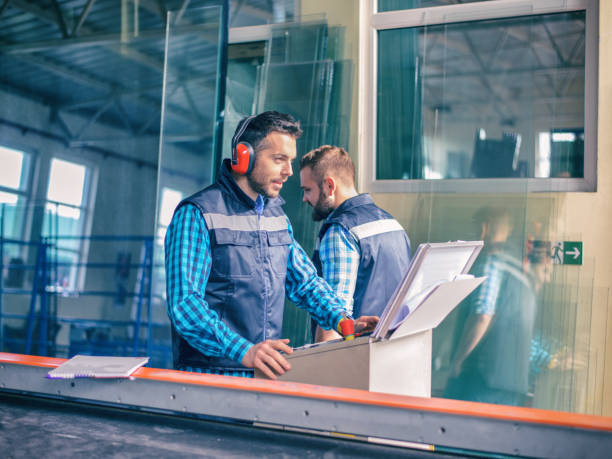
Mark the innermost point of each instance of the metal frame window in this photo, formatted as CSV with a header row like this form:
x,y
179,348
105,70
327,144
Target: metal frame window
x,y
15,189
372,22
68,205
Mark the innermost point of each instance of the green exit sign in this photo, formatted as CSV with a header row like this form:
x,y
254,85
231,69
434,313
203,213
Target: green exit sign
x,y
566,252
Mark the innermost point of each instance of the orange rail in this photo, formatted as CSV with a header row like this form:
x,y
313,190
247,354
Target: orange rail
x,y
457,407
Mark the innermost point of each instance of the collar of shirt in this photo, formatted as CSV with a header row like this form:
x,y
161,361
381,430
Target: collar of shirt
x,y
226,180
259,204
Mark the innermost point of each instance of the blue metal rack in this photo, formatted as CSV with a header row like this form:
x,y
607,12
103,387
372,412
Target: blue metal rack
x,y
46,290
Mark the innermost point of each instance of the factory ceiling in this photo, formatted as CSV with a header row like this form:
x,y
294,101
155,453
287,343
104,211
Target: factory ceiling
x,y
103,60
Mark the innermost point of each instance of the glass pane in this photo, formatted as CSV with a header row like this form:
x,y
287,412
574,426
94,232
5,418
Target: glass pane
x,y
485,99
169,200
66,223
8,198
11,171
96,98
191,105
66,182
66,270
192,118
393,5
255,12
12,216
499,99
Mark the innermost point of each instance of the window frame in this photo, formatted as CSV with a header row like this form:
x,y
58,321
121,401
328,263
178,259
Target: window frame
x,y
30,163
371,22
90,185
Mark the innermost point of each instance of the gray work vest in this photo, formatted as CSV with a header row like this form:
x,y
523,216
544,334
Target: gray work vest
x,y
249,252
502,356
384,252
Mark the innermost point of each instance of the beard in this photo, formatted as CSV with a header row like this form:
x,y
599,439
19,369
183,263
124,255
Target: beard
x,y
322,208
261,184
257,186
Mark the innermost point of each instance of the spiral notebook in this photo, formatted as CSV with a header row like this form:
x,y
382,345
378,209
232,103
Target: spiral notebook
x,y
90,366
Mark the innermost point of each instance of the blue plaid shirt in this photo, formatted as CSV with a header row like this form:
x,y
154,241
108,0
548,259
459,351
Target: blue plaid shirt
x,y
339,254
188,264
486,304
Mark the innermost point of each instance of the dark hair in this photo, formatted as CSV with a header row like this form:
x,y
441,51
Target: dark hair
x,y
539,252
328,158
263,124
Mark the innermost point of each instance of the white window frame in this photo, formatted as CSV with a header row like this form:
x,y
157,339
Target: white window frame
x,y
372,22
27,190
27,163
90,187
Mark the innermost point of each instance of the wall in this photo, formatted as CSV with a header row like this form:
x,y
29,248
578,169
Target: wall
x,y
567,216
582,294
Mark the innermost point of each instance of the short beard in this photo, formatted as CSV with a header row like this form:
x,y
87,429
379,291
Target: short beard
x,y
322,208
256,186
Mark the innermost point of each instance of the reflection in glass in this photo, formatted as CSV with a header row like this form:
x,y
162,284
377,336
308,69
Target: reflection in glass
x,y
12,166
393,5
484,99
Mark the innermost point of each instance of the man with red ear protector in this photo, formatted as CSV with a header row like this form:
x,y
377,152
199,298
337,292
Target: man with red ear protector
x,y
231,259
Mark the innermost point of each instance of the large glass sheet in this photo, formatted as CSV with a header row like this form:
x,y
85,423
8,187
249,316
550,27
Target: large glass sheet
x,y
77,273
86,93
191,116
316,90
255,12
482,99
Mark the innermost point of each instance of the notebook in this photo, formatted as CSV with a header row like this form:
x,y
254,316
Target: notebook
x,y
90,366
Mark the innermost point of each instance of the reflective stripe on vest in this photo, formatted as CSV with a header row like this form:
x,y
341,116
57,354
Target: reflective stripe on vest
x,y
245,222
376,227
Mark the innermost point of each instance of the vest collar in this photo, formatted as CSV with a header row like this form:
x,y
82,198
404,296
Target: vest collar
x,y
229,185
355,201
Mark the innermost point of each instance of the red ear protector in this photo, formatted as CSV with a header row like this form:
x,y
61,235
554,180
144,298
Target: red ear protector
x,y
243,153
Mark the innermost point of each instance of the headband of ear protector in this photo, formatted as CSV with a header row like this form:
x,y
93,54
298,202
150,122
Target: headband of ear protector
x,y
243,153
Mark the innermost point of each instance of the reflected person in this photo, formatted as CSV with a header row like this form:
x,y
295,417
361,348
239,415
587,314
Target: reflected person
x,y
492,360
362,251
231,259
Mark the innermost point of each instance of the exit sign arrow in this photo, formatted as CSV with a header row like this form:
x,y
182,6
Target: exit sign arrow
x,y
575,252
566,252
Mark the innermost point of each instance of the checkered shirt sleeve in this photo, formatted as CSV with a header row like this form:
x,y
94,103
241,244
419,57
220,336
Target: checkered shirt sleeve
x,y
309,291
340,255
188,262
489,291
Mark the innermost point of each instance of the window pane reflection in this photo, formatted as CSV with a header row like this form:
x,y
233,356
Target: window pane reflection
x,y
485,99
393,5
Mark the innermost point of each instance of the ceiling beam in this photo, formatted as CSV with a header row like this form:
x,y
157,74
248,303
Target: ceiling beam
x,y
105,39
49,17
60,18
112,42
181,11
39,13
157,7
64,71
82,17
3,6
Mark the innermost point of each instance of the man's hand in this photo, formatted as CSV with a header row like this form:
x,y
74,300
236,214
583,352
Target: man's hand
x,y
265,357
322,335
366,324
